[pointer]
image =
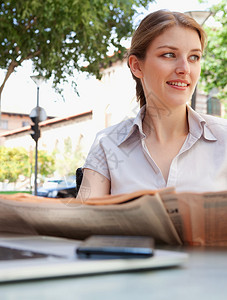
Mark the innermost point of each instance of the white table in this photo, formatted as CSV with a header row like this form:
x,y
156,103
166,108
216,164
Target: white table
x,y
204,276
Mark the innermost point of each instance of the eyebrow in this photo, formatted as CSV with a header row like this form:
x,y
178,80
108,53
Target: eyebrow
x,y
174,48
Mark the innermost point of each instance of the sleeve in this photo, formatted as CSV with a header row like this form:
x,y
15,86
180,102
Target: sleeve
x,y
97,158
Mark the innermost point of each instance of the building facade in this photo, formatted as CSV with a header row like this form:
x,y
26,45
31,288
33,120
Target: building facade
x,y
11,121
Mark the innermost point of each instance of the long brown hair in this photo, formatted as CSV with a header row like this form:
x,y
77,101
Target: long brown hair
x,y
152,26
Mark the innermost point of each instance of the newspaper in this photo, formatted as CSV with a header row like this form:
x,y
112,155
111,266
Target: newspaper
x,y
199,218
167,216
144,216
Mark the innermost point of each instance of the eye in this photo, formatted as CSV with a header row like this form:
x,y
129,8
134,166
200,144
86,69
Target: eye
x,y
169,55
194,58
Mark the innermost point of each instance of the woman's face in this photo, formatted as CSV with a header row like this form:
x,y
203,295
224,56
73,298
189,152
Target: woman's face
x,y
171,68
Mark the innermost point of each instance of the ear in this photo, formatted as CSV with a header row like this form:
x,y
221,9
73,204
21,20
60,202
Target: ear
x,y
135,66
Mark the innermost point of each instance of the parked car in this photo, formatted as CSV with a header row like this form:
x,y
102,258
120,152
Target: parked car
x,y
58,188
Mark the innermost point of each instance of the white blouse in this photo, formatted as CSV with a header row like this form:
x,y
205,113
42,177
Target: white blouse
x,y
120,154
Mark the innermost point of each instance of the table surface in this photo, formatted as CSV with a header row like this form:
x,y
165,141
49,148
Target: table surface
x,y
204,276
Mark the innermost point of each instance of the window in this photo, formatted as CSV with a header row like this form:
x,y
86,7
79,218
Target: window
x,y
25,123
4,124
213,106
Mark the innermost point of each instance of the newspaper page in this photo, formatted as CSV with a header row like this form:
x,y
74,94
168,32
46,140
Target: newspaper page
x,y
200,219
11,222
144,216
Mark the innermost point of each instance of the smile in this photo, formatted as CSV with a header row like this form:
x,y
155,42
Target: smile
x,y
177,83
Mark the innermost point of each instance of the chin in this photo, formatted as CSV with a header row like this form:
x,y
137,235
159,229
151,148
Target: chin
x,y
174,102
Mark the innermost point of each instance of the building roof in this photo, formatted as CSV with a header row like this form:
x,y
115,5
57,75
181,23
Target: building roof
x,y
46,123
18,114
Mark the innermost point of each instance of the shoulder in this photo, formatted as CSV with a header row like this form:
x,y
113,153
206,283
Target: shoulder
x,y
217,126
212,120
116,132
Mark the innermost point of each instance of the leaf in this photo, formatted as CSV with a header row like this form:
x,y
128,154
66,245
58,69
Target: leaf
x,y
57,34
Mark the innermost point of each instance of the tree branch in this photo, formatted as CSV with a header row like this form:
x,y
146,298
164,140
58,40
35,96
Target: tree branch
x,y
30,23
10,70
29,56
15,64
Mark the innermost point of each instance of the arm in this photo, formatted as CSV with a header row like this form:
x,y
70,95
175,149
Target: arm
x,y
93,185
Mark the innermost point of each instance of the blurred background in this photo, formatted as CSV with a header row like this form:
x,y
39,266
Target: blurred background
x,y
78,55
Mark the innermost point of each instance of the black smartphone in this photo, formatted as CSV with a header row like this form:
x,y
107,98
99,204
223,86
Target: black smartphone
x,y
103,246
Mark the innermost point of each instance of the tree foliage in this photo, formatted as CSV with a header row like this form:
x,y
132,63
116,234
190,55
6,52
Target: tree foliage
x,y
17,161
56,35
214,67
46,163
70,160
14,162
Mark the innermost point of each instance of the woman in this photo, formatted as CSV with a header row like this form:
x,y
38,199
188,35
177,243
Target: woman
x,y
168,144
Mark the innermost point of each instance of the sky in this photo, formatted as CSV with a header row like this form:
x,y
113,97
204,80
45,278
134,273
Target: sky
x,y
20,92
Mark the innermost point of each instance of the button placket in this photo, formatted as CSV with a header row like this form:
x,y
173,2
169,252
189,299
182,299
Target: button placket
x,y
160,179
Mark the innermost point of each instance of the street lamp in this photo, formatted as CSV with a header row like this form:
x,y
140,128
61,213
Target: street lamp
x,y
200,17
38,79
35,115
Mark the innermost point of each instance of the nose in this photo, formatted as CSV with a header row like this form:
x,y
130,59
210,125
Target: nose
x,y
183,66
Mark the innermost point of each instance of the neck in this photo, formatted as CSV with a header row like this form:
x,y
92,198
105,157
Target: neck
x,y
165,124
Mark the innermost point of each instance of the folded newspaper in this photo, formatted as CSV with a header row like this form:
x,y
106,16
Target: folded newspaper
x,y
167,216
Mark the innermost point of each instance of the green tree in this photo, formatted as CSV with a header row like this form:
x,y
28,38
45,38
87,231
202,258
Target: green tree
x,y
46,163
71,159
17,161
214,67
56,35
14,162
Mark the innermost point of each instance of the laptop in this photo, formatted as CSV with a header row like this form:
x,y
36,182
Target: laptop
x,y
39,257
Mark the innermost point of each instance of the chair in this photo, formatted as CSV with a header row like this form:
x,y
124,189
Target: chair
x,y
79,177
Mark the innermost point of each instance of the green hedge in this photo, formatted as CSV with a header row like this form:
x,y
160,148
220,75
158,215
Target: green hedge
x,y
14,192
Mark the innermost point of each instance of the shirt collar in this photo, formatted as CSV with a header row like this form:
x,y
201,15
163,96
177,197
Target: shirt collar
x,y
197,126
132,126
